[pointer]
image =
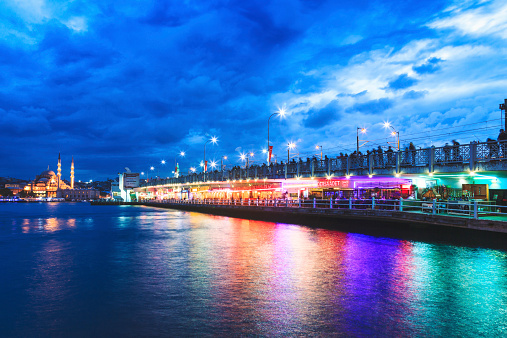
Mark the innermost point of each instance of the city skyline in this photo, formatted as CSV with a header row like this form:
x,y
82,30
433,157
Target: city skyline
x,y
132,85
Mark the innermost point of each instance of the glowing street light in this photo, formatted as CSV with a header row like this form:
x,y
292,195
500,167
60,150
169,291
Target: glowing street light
x,y
246,157
213,164
281,112
394,132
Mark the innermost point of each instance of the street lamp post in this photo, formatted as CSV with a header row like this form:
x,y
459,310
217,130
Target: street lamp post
x,y
163,163
213,140
245,157
317,147
290,145
394,133
363,130
176,171
280,112
222,163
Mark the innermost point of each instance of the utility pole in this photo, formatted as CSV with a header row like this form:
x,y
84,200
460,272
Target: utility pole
x,y
502,107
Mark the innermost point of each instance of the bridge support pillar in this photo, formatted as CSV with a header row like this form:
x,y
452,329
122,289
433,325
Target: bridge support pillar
x,y
348,165
431,159
370,164
286,168
473,155
313,167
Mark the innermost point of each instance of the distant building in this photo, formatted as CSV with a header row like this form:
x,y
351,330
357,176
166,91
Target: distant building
x,y
115,191
49,184
15,187
79,194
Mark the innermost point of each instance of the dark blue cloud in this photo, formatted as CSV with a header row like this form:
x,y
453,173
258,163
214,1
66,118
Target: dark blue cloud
x,y
431,66
412,94
319,118
401,82
373,106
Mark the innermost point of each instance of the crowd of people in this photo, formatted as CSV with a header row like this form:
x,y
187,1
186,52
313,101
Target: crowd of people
x,y
408,156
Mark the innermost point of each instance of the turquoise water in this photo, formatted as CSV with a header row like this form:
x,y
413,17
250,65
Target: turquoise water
x,y
71,269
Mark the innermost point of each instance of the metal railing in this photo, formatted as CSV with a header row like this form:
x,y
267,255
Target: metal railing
x,y
469,209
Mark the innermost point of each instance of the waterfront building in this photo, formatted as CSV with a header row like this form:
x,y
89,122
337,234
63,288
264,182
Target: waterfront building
x,y
122,188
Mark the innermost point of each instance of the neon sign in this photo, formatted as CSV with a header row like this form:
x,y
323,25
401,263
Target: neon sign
x,y
333,183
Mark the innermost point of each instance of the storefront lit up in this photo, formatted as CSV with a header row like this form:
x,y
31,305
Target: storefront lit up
x,y
332,187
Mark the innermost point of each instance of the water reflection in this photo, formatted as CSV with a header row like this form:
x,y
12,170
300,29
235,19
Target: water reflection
x,y
151,272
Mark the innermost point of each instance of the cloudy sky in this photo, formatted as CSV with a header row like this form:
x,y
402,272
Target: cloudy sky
x,y
130,83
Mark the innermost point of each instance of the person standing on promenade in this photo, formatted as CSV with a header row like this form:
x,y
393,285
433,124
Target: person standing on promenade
x,y
455,151
447,152
380,156
390,156
492,148
411,147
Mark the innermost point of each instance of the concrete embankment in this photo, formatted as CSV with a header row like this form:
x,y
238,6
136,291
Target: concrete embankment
x,y
388,223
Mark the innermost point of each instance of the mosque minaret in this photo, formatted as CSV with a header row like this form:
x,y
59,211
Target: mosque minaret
x,y
59,171
72,174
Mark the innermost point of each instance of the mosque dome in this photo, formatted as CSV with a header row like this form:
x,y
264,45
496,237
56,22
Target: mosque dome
x,y
44,179
48,174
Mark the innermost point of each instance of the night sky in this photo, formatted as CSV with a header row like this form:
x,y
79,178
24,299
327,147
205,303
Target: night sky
x,y
130,83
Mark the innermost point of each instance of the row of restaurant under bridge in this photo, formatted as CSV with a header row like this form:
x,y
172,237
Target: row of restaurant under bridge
x,y
321,188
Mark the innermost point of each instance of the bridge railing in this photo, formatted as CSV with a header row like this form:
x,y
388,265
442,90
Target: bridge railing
x,y
468,209
446,155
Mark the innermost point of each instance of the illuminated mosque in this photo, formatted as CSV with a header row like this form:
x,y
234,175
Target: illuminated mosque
x,y
49,184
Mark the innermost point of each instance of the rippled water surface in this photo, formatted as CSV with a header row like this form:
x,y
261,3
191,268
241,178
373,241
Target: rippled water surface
x,y
72,269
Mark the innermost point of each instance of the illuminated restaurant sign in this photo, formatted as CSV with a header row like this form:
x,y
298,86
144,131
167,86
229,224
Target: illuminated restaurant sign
x,y
267,186
333,183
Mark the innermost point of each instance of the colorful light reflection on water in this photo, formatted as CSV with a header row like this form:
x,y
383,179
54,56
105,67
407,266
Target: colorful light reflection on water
x,y
74,269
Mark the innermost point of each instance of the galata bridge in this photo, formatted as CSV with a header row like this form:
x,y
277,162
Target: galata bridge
x,y
477,170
